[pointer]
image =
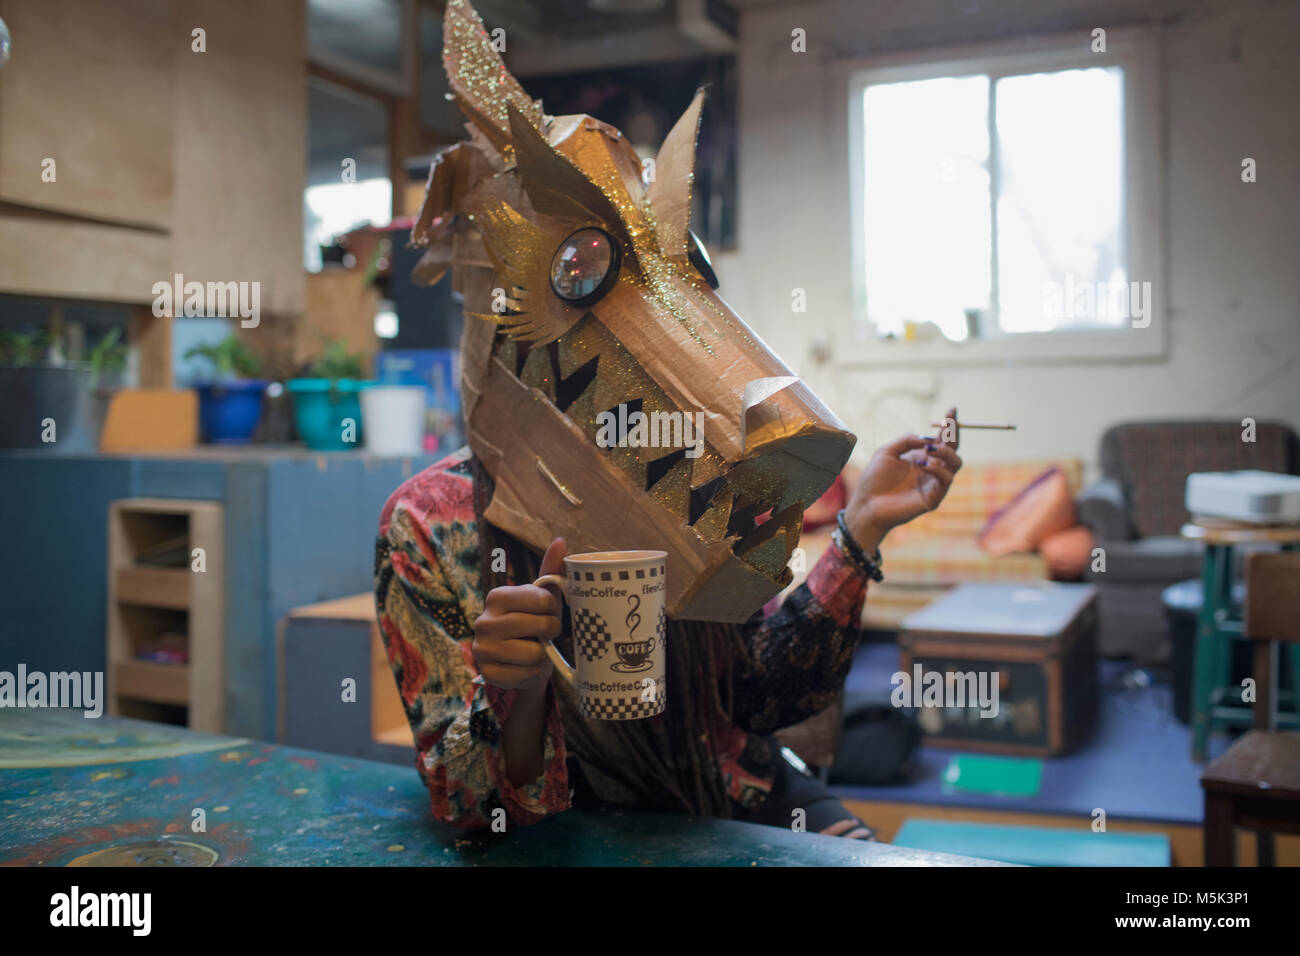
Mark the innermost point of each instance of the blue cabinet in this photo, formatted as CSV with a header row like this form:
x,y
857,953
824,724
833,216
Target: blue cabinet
x,y
299,529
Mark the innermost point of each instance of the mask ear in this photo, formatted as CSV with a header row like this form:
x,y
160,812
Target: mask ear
x,y
451,178
482,86
555,186
670,191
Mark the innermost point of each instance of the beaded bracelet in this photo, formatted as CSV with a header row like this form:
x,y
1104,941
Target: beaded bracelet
x,y
843,538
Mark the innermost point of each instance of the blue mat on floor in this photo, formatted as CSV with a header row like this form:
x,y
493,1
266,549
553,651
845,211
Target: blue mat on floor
x,y
1137,765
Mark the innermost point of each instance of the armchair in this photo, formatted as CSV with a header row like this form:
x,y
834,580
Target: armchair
x,y
1136,510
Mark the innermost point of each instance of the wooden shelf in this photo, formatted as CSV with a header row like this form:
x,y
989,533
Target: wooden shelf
x,y
155,587
145,680
148,603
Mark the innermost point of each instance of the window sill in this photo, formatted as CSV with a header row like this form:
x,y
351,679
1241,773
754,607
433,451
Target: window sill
x,y
1028,348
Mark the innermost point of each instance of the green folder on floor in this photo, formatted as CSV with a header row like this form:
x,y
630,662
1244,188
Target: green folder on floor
x,y
1003,776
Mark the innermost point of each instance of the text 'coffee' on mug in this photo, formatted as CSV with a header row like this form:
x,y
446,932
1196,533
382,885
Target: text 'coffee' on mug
x,y
616,606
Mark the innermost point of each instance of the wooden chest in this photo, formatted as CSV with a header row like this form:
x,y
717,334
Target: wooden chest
x,y
1003,668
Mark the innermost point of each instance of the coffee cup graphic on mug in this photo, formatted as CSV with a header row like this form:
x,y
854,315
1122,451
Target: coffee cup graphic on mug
x,y
616,606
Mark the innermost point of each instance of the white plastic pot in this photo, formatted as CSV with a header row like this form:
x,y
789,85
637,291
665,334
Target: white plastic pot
x,y
393,416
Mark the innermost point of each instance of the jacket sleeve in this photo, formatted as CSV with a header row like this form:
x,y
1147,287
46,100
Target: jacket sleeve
x,y
800,650
456,718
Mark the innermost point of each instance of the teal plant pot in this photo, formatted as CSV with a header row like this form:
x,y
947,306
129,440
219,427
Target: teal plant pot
x,y
328,414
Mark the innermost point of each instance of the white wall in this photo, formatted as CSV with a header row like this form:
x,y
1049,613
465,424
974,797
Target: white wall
x,y
1230,81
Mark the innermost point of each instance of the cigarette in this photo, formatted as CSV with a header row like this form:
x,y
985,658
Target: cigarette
x,y
964,425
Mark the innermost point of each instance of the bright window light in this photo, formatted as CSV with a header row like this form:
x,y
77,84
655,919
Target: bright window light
x,y
335,208
995,226
1061,200
386,324
926,202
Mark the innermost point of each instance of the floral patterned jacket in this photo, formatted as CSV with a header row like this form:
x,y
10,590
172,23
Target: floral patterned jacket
x,y
427,595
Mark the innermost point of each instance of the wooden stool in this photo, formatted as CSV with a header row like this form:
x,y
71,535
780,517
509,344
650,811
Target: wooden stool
x,y
1216,628
1256,784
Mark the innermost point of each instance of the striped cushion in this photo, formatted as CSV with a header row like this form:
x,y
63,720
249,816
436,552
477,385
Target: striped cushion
x,y
979,491
925,557
925,560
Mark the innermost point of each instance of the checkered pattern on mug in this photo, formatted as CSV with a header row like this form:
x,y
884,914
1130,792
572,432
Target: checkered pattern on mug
x,y
590,634
621,708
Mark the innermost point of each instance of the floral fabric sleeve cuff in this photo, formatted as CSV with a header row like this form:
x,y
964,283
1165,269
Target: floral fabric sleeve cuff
x,y
549,793
839,586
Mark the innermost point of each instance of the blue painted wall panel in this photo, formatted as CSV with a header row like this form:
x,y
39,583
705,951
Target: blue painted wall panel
x,y
179,478
247,590
54,556
322,517
299,528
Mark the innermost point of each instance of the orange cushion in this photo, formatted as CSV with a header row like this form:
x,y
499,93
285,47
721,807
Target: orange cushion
x,y
1042,508
980,490
1067,552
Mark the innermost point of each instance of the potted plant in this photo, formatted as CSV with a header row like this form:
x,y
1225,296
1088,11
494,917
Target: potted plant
x,y
48,401
230,406
326,403
107,359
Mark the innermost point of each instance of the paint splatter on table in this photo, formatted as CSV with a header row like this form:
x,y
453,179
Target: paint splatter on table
x,y
67,738
131,794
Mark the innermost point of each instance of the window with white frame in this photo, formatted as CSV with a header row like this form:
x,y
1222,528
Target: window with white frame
x,y
992,198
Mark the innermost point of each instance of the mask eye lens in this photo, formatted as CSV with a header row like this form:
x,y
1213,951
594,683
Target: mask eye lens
x,y
584,267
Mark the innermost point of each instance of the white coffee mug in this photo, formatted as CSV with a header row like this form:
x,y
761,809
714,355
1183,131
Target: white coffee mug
x,y
616,608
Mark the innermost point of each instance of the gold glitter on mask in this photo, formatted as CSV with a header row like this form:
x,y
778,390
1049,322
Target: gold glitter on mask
x,y
480,82
654,341
521,252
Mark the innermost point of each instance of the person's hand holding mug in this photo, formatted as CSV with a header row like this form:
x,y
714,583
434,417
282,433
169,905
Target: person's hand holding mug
x,y
904,479
510,636
517,622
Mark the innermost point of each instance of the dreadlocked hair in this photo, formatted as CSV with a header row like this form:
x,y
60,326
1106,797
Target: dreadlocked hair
x,y
664,765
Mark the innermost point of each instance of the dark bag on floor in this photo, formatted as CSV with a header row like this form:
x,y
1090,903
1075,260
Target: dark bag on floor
x,y
877,744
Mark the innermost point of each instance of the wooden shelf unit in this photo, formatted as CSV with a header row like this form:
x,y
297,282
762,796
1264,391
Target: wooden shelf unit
x,y
146,602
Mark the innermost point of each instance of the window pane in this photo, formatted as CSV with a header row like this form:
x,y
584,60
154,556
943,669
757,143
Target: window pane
x,y
1061,255
926,202
343,125
436,111
364,31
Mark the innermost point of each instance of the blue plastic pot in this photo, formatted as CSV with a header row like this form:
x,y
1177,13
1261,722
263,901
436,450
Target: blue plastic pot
x,y
229,411
322,410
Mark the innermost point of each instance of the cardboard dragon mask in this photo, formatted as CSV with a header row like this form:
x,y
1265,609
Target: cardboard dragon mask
x,y
595,348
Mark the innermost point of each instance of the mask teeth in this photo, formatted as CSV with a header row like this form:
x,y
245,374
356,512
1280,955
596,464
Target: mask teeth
x,y
569,390
743,513
742,522
521,355
655,470
702,497
632,405
785,524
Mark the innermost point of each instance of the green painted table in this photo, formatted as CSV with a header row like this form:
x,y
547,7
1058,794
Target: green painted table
x,y
1212,701
112,791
